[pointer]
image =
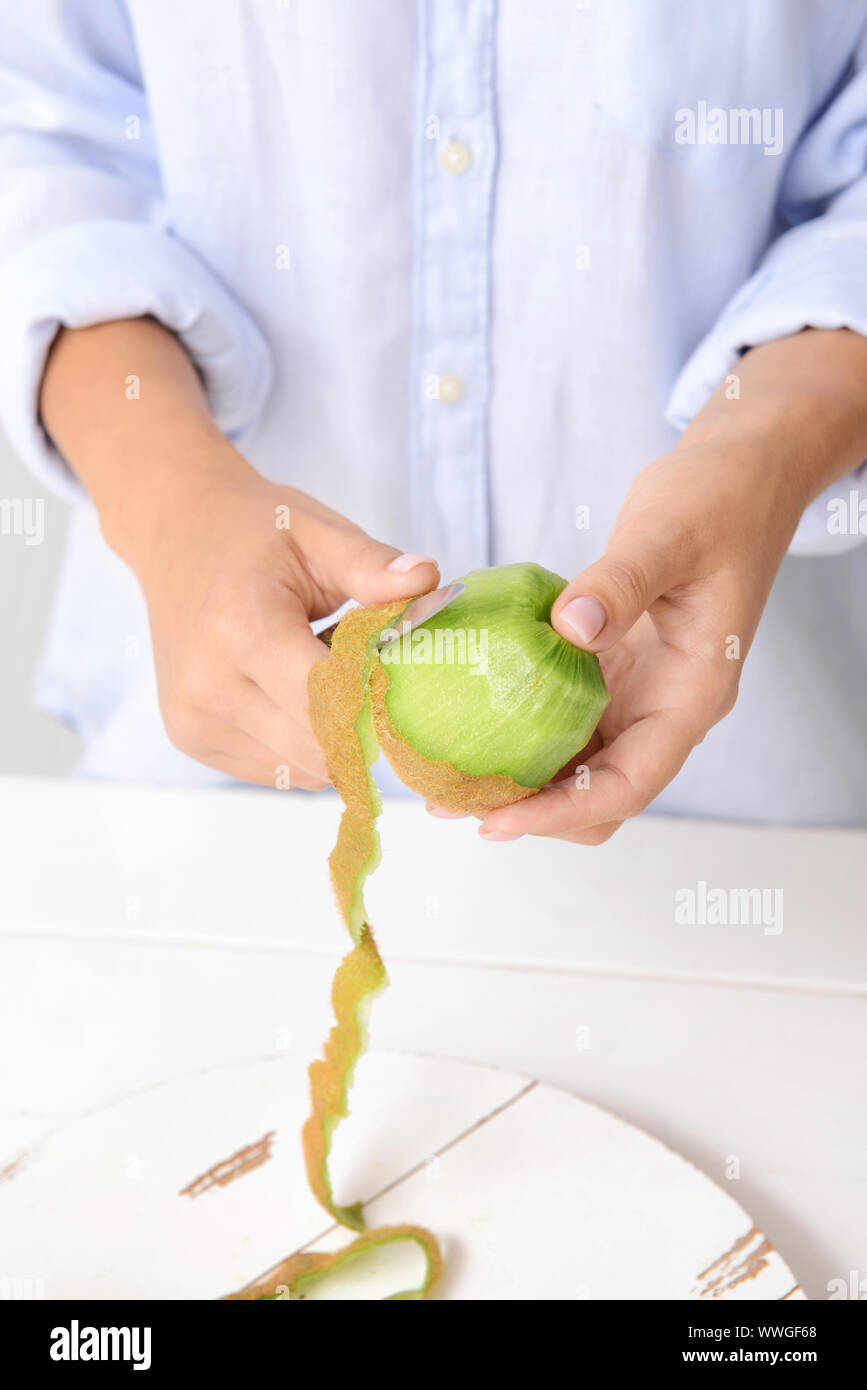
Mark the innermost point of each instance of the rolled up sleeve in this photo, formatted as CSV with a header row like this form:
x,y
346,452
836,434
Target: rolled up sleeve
x,y
83,231
813,276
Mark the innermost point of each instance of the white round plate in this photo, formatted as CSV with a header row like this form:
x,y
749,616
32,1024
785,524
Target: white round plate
x,y
196,1187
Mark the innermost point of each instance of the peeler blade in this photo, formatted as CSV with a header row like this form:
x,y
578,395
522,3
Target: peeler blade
x,y
425,607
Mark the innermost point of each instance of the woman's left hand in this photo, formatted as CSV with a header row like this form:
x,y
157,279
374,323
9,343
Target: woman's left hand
x,y
671,609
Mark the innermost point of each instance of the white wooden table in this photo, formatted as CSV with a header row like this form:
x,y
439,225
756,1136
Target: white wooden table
x,y
148,933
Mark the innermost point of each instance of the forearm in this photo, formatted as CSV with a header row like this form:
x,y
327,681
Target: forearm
x,y
123,403
798,405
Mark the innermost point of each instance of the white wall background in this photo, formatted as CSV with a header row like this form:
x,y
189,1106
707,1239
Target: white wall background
x,y
30,742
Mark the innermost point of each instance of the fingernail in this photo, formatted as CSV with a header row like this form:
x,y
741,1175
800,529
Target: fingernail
x,y
443,814
585,616
401,564
499,835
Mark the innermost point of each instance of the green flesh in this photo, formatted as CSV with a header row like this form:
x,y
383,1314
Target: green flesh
x,y
533,710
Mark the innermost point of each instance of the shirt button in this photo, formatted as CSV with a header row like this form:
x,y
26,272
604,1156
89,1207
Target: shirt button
x,y
451,388
455,157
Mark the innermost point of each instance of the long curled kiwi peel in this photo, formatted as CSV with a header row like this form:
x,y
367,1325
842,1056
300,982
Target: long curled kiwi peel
x,y
341,717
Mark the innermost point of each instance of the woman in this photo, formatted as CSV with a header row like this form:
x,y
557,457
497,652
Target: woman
x,y
488,282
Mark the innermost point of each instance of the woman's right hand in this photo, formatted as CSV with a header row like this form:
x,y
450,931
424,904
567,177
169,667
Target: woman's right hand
x,y
233,567
231,588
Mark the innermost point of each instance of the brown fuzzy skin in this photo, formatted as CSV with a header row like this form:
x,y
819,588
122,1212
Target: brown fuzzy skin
x,y
358,979
337,692
440,783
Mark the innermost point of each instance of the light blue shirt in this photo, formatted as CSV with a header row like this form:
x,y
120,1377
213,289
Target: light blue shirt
x,y
460,269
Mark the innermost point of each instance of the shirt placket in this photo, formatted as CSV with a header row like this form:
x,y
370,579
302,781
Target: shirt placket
x,y
456,153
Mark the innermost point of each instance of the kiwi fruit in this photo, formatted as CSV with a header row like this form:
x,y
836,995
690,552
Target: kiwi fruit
x,y
484,702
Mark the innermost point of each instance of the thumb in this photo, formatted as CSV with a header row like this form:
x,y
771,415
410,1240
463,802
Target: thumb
x,y
357,566
598,607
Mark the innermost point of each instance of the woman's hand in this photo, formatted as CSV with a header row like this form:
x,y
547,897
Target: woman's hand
x,y
673,605
231,585
671,610
232,566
